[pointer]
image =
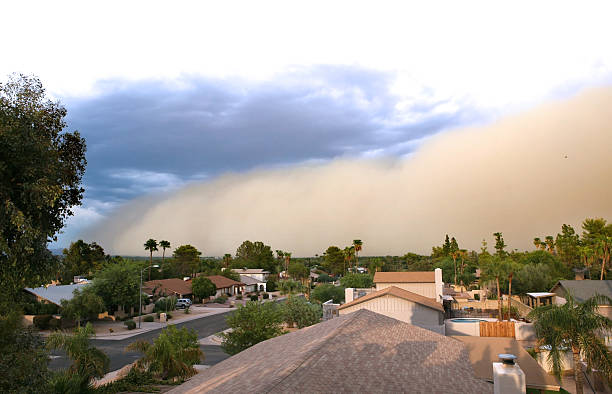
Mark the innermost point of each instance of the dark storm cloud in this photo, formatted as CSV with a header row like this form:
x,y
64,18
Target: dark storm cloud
x,y
151,136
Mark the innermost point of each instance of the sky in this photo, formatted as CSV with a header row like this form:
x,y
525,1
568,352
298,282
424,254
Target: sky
x,y
174,96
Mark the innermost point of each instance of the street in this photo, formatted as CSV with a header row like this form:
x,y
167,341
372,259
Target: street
x,y
115,350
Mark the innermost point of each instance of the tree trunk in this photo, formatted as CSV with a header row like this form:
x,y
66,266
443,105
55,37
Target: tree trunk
x,y
509,296
603,267
150,264
578,371
455,263
499,301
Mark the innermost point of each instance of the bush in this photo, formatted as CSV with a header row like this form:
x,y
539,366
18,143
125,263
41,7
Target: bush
x,y
253,323
168,316
301,312
357,281
326,292
202,287
187,311
221,299
477,297
271,285
42,321
165,304
266,296
239,297
39,308
130,324
54,324
148,319
254,297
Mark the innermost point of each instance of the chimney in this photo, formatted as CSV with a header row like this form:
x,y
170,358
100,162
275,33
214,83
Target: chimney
x,y
508,377
348,294
439,284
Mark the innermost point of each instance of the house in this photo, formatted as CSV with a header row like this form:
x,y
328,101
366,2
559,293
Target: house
x,y
170,287
582,290
252,284
402,305
426,283
359,352
255,273
226,285
55,294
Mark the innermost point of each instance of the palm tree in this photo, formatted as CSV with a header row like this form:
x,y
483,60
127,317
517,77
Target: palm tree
x,y
602,248
510,295
151,246
287,256
349,254
164,245
88,362
578,327
493,269
227,259
550,244
537,242
357,245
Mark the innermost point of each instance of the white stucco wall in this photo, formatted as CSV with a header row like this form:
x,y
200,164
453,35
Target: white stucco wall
x,y
424,289
400,309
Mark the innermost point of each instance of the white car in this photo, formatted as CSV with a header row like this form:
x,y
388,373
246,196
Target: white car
x,y
183,303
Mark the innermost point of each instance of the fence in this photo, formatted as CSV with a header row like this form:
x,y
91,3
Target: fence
x,y
497,329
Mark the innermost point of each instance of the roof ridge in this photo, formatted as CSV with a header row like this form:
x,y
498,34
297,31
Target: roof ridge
x,y
314,351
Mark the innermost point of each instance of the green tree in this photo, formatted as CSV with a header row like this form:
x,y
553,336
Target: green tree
x,y
289,286
151,246
164,245
227,260
326,292
23,361
118,285
349,255
500,245
253,323
298,271
84,305
81,258
41,168
88,362
172,354
493,270
550,244
334,261
254,255
577,326
358,281
537,242
454,253
298,311
202,287
357,246
187,260
567,243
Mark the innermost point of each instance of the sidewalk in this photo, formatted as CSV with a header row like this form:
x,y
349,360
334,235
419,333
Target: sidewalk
x,y
151,326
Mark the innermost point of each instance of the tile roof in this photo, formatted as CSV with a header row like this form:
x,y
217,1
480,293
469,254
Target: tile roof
x,y
168,286
360,352
222,282
582,290
484,351
55,294
405,277
400,293
247,280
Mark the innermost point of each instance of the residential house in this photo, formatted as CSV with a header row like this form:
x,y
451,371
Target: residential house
x,y
359,352
254,278
252,284
179,288
402,305
582,290
426,283
226,285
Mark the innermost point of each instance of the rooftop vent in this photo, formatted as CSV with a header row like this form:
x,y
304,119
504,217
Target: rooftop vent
x,y
508,377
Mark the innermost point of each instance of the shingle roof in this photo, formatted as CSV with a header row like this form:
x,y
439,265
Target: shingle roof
x,y
585,289
400,293
247,280
405,277
222,282
168,286
55,294
250,271
360,352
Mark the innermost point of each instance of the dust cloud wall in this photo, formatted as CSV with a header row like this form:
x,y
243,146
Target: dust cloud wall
x,y
525,175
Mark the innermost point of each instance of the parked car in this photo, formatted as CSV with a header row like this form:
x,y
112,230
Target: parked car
x,y
183,303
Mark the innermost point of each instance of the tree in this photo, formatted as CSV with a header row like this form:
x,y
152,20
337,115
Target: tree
x,y
187,259
493,269
550,244
326,292
23,362
357,281
537,242
349,255
357,245
81,258
227,260
499,244
454,253
88,362
151,246
568,243
298,271
253,323
298,311
172,354
577,326
231,275
287,256
202,287
84,305
254,255
118,285
41,168
164,245
290,286
333,261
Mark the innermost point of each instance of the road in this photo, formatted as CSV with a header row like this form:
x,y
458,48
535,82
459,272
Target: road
x,y
115,350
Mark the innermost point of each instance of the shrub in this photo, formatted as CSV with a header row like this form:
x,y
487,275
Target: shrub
x,y
54,324
42,321
130,324
202,287
252,324
326,292
165,304
271,285
266,296
239,297
187,311
168,316
357,280
301,312
148,319
221,299
477,296
254,297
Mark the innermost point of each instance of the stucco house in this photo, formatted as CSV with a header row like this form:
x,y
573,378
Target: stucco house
x,y
582,290
170,287
425,283
226,285
255,273
402,305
